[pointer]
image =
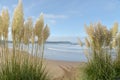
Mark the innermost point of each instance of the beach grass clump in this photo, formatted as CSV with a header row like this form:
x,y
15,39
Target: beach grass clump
x,y
116,45
23,67
22,63
100,63
100,68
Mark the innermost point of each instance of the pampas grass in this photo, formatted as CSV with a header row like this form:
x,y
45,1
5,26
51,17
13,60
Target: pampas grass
x,y
24,67
39,26
80,42
17,25
1,27
115,29
87,43
5,22
18,64
100,63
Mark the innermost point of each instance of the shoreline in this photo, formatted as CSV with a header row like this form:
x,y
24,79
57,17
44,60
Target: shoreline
x,y
58,69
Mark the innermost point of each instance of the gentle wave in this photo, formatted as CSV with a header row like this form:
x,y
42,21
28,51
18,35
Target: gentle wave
x,y
64,50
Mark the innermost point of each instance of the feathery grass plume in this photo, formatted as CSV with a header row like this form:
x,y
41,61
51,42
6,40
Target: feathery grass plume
x,y
89,30
44,36
114,29
22,66
98,35
30,26
87,42
80,42
38,30
99,39
32,39
18,20
26,37
17,25
27,31
91,33
1,27
107,37
33,36
39,26
30,31
40,40
1,30
46,33
5,24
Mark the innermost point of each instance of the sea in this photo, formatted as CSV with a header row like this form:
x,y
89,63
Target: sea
x,y
64,51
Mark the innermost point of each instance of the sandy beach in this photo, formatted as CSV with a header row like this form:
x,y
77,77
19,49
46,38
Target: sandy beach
x,y
60,69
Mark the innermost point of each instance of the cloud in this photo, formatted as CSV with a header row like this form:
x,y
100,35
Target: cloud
x,y
52,21
53,16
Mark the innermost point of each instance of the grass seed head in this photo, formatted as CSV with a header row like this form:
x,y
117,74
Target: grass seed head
x,y
87,43
46,33
18,19
98,35
80,42
1,27
114,29
5,23
39,26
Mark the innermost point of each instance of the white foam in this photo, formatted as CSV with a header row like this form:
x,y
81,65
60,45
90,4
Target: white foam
x,y
73,51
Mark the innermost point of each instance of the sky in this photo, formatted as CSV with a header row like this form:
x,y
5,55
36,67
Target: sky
x,y
66,18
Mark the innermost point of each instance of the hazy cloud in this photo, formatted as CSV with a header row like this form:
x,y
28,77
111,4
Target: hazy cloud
x,y
53,16
52,21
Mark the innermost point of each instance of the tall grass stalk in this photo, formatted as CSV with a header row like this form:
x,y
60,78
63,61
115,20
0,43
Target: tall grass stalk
x,y
100,64
21,63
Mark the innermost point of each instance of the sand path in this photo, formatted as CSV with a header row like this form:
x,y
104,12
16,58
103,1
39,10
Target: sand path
x,y
56,68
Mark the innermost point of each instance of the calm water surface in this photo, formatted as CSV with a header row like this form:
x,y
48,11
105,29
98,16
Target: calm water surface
x,y
67,52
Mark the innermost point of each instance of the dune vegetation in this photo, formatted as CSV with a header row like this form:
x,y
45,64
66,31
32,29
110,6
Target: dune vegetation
x,y
24,61
16,63
103,53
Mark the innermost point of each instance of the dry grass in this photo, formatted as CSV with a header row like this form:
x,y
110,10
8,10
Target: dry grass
x,y
18,64
100,42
